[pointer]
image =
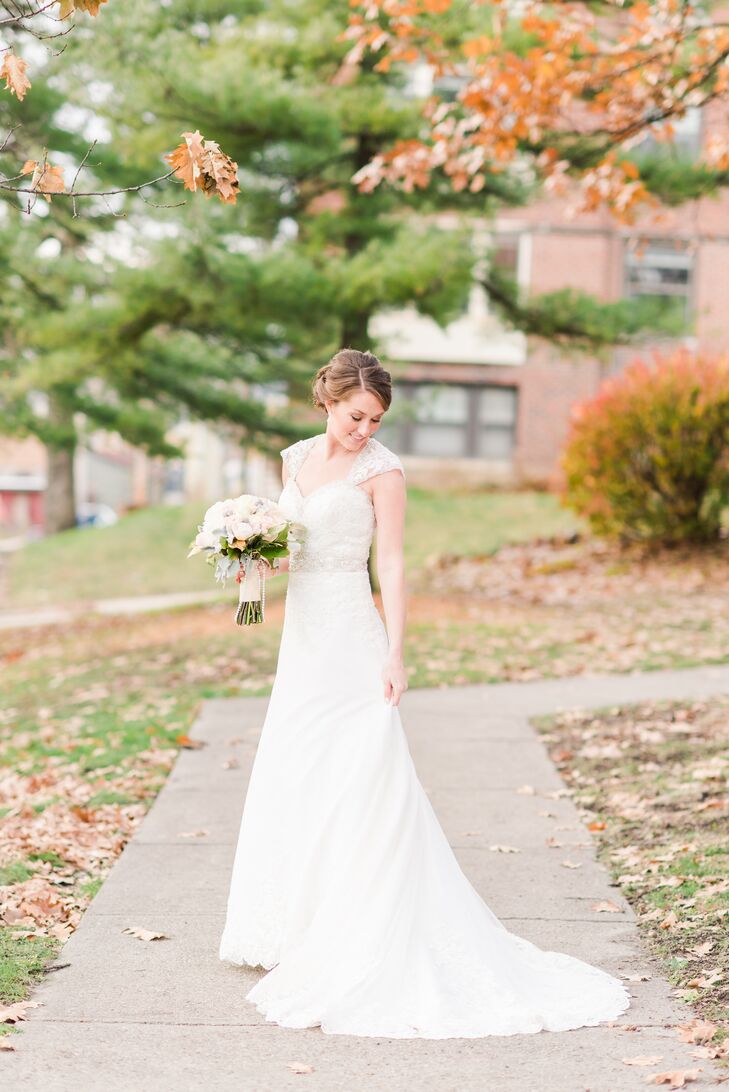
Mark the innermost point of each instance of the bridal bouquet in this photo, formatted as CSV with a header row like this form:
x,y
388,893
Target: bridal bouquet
x,y
237,536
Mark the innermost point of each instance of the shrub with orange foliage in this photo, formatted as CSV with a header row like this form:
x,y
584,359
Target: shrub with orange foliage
x,y
647,459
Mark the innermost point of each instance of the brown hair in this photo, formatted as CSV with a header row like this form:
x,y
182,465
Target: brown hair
x,y
351,370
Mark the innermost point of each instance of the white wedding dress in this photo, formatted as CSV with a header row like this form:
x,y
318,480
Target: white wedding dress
x,y
344,886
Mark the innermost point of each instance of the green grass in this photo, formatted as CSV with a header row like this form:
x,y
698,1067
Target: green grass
x,y
145,553
478,523
22,961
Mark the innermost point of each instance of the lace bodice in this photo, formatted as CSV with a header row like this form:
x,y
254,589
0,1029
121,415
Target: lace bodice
x,y
338,516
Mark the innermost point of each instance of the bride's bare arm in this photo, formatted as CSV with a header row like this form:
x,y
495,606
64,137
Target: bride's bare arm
x,y
389,498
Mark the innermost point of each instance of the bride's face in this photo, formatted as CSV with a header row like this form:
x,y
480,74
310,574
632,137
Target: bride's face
x,y
354,419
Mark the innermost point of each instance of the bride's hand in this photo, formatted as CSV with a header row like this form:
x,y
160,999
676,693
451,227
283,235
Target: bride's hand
x,y
395,679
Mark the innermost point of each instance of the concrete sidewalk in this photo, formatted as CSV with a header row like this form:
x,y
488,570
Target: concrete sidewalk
x,y
121,1015
66,614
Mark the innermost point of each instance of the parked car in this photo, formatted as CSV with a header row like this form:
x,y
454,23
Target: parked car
x,y
93,514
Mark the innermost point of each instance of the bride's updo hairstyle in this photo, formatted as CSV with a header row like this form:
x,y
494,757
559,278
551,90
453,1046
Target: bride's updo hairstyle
x,y
349,371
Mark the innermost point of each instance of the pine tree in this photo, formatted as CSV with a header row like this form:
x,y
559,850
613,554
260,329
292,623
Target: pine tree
x,y
207,301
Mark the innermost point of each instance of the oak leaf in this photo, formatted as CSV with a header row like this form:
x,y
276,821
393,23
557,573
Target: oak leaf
x,y
9,1014
144,934
677,1078
200,164
46,179
12,70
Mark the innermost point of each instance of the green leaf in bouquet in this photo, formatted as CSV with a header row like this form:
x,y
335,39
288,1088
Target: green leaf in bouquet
x,y
274,550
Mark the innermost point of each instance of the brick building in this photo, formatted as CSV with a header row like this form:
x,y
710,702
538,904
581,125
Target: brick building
x,y
479,404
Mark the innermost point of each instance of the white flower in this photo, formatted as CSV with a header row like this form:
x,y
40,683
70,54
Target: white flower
x,y
207,540
244,505
241,530
214,517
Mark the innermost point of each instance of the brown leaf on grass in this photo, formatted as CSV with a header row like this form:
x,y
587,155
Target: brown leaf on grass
x,y
705,982
696,1031
300,1067
10,1014
711,1051
677,1078
598,824
643,1059
144,934
12,70
606,907
191,744
86,815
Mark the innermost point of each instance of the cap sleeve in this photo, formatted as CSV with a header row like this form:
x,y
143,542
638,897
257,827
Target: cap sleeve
x,y
377,461
294,455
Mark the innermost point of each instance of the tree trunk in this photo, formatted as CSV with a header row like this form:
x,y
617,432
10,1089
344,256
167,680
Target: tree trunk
x,y
354,332
60,501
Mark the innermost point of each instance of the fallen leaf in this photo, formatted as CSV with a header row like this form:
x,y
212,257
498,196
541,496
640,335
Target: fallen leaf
x,y
505,849
144,934
698,1031
606,907
677,1078
643,1059
570,864
299,1067
10,1013
192,744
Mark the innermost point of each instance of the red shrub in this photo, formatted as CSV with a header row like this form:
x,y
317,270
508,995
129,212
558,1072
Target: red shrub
x,y
648,458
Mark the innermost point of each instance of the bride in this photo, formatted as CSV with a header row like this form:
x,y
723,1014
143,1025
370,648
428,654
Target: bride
x,y
344,887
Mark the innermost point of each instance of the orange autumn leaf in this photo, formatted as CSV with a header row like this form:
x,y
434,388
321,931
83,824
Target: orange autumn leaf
x,y
68,7
46,179
12,70
200,164
607,76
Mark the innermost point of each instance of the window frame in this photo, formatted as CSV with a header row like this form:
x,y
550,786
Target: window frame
x,y
404,429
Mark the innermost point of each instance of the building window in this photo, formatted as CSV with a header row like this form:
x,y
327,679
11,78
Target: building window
x,y
686,140
662,270
450,420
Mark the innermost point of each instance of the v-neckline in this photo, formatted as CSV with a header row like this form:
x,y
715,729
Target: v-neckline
x,y
334,481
